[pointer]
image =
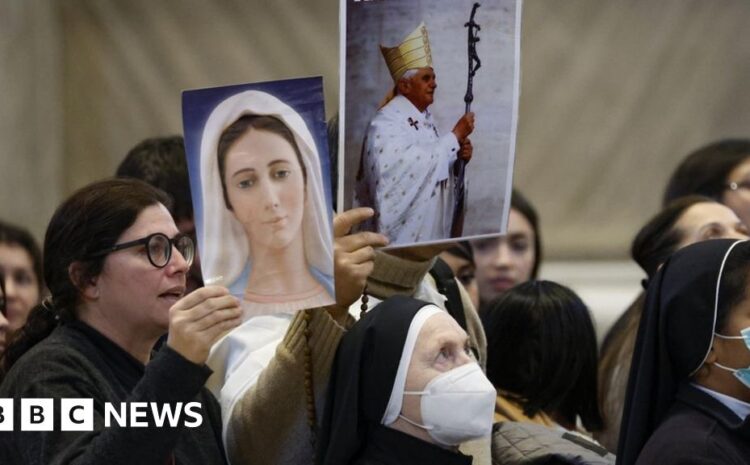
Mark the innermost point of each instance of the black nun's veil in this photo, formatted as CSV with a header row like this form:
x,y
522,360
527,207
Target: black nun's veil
x,y
674,337
362,378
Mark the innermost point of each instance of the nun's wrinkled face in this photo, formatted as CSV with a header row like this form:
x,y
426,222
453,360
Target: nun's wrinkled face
x,y
442,345
266,189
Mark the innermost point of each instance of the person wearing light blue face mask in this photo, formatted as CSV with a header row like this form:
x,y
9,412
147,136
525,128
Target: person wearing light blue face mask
x,y
688,399
742,374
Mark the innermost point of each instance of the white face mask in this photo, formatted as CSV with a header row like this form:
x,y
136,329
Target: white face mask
x,y
457,406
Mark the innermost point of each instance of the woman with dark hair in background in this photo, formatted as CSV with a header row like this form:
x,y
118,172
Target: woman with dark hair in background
x,y
541,356
21,263
719,170
3,321
503,262
460,259
685,221
688,396
115,266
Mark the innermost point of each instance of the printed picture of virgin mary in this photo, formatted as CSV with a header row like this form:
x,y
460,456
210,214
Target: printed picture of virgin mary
x,y
266,225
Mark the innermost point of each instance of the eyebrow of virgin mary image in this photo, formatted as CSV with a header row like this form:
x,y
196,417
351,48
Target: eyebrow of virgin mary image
x,y
265,219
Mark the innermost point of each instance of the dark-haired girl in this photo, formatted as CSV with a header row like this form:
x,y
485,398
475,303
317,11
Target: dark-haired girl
x,y
541,356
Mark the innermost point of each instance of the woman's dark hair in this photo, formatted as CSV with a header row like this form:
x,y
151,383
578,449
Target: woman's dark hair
x,y
2,290
161,162
13,235
541,349
240,127
705,171
91,220
658,239
521,204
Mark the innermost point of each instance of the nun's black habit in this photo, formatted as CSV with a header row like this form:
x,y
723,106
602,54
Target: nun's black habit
x,y
666,419
361,383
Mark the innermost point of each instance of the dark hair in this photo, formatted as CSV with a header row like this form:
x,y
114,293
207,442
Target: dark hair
x,y
541,347
522,205
462,249
13,235
705,170
162,162
658,238
91,220
2,289
240,127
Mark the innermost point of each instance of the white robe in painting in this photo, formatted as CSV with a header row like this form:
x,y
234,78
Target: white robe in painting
x,y
405,175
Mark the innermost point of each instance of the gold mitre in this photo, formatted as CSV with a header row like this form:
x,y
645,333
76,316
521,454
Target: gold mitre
x,y
412,52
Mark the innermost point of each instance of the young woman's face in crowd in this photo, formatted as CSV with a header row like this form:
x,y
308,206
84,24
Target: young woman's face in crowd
x,y
442,345
709,220
266,188
465,270
21,284
504,262
739,199
136,294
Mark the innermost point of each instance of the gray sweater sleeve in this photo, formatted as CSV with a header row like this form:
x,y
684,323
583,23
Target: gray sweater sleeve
x,y
168,378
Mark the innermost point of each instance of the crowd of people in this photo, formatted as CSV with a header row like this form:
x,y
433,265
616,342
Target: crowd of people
x,y
440,354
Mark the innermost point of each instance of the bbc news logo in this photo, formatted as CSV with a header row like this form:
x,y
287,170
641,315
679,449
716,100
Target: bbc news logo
x,y
78,414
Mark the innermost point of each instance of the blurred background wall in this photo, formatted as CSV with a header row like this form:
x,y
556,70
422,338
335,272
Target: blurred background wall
x,y
613,94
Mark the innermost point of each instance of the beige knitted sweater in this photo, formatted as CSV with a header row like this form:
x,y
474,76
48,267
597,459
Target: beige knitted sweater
x,y
268,425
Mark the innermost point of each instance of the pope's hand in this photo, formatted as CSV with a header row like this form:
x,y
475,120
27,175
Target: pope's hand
x,y
466,150
464,127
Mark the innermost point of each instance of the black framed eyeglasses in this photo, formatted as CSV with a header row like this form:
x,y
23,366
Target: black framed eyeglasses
x,y
158,248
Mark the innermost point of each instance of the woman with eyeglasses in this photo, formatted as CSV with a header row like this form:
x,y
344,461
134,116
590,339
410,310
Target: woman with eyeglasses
x,y
719,170
115,266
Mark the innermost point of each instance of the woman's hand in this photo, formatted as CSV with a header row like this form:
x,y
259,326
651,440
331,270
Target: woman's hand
x,y
198,320
353,256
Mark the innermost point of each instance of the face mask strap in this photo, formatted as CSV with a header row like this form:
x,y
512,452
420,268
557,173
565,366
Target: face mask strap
x,y
731,370
728,337
426,428
416,393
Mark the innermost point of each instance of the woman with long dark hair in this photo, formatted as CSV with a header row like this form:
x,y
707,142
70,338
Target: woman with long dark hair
x,y
115,266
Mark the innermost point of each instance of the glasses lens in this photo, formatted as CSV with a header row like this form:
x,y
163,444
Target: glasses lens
x,y
186,247
159,250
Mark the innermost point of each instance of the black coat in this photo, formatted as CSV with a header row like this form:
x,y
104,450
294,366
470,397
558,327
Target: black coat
x,y
698,430
387,446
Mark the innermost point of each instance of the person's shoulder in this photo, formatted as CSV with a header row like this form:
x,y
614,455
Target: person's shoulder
x,y
56,355
685,437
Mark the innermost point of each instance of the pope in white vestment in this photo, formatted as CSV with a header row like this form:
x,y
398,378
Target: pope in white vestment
x,y
406,166
405,174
